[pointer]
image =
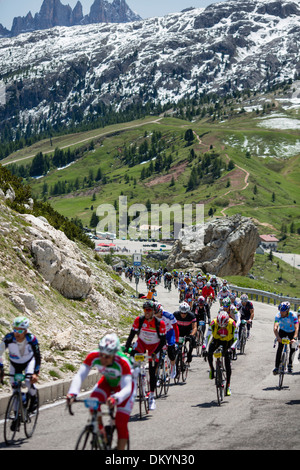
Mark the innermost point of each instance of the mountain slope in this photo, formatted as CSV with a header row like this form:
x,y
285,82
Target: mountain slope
x,y
64,75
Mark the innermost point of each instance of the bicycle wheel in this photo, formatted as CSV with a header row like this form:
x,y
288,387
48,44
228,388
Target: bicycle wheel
x,y
243,340
88,440
31,418
167,372
12,419
143,401
282,367
178,367
184,366
219,383
159,380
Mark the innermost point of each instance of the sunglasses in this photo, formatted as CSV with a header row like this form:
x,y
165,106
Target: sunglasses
x,y
104,356
16,330
148,310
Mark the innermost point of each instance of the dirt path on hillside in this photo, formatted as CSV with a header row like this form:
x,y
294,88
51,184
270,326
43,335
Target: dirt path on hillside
x,y
155,121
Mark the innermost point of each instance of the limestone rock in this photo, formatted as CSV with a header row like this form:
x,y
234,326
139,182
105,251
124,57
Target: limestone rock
x,y
223,247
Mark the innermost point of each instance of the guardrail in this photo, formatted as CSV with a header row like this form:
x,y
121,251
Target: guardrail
x,y
260,296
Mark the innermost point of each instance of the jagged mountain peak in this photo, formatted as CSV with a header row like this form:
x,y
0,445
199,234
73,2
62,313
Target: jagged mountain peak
x,y
228,46
54,13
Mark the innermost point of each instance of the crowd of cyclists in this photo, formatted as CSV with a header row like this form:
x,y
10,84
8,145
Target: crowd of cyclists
x,y
157,329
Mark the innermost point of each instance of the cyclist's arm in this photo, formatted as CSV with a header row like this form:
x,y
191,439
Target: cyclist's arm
x,y
129,339
176,329
194,328
208,335
126,389
276,329
79,379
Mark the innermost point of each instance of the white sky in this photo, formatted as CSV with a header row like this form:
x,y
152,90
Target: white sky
x,y
145,8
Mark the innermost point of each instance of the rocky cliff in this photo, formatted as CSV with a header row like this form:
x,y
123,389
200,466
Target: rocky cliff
x,y
70,296
224,247
54,13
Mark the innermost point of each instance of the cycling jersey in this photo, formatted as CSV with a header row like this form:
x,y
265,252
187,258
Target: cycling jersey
x,y
21,353
114,374
227,333
148,332
288,323
185,325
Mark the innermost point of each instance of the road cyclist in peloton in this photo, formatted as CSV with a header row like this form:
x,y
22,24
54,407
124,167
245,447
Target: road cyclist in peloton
x,y
246,310
151,333
24,356
172,335
222,331
116,386
187,326
286,324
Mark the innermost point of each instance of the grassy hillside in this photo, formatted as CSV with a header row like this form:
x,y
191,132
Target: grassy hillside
x,y
262,182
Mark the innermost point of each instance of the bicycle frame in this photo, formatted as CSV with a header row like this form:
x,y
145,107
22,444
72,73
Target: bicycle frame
x,y
243,336
17,413
163,373
220,374
283,361
140,361
181,367
90,436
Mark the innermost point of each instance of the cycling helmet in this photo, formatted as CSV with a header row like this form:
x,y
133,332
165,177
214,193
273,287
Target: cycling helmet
x,y
184,307
201,299
226,302
21,322
232,295
222,318
158,308
109,344
244,298
224,288
208,284
149,304
284,306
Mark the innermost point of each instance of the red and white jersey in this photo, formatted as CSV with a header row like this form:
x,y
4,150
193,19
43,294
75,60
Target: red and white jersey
x,y
148,333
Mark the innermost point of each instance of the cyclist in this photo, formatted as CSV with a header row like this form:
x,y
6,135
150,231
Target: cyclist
x,y
182,285
223,293
298,314
201,310
208,292
172,335
151,338
24,356
222,331
187,326
286,324
115,387
246,310
214,283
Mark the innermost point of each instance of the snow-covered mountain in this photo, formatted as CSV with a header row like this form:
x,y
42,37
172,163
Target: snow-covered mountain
x,y
232,45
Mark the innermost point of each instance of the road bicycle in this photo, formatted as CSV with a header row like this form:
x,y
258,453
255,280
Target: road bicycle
x,y
163,374
220,374
20,411
200,337
243,336
91,438
181,361
283,360
140,362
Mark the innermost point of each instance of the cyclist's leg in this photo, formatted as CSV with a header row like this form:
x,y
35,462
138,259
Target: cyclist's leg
x,y
227,361
211,349
122,418
101,391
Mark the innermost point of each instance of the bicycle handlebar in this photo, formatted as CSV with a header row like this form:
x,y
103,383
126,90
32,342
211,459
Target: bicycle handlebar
x,y
88,402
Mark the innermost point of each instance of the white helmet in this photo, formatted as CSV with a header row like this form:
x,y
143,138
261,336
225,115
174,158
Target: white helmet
x,y
21,322
184,307
109,344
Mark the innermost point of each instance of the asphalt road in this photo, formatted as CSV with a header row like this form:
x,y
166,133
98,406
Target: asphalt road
x,y
257,416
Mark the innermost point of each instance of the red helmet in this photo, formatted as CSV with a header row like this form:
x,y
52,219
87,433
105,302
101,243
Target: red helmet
x,y
222,318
